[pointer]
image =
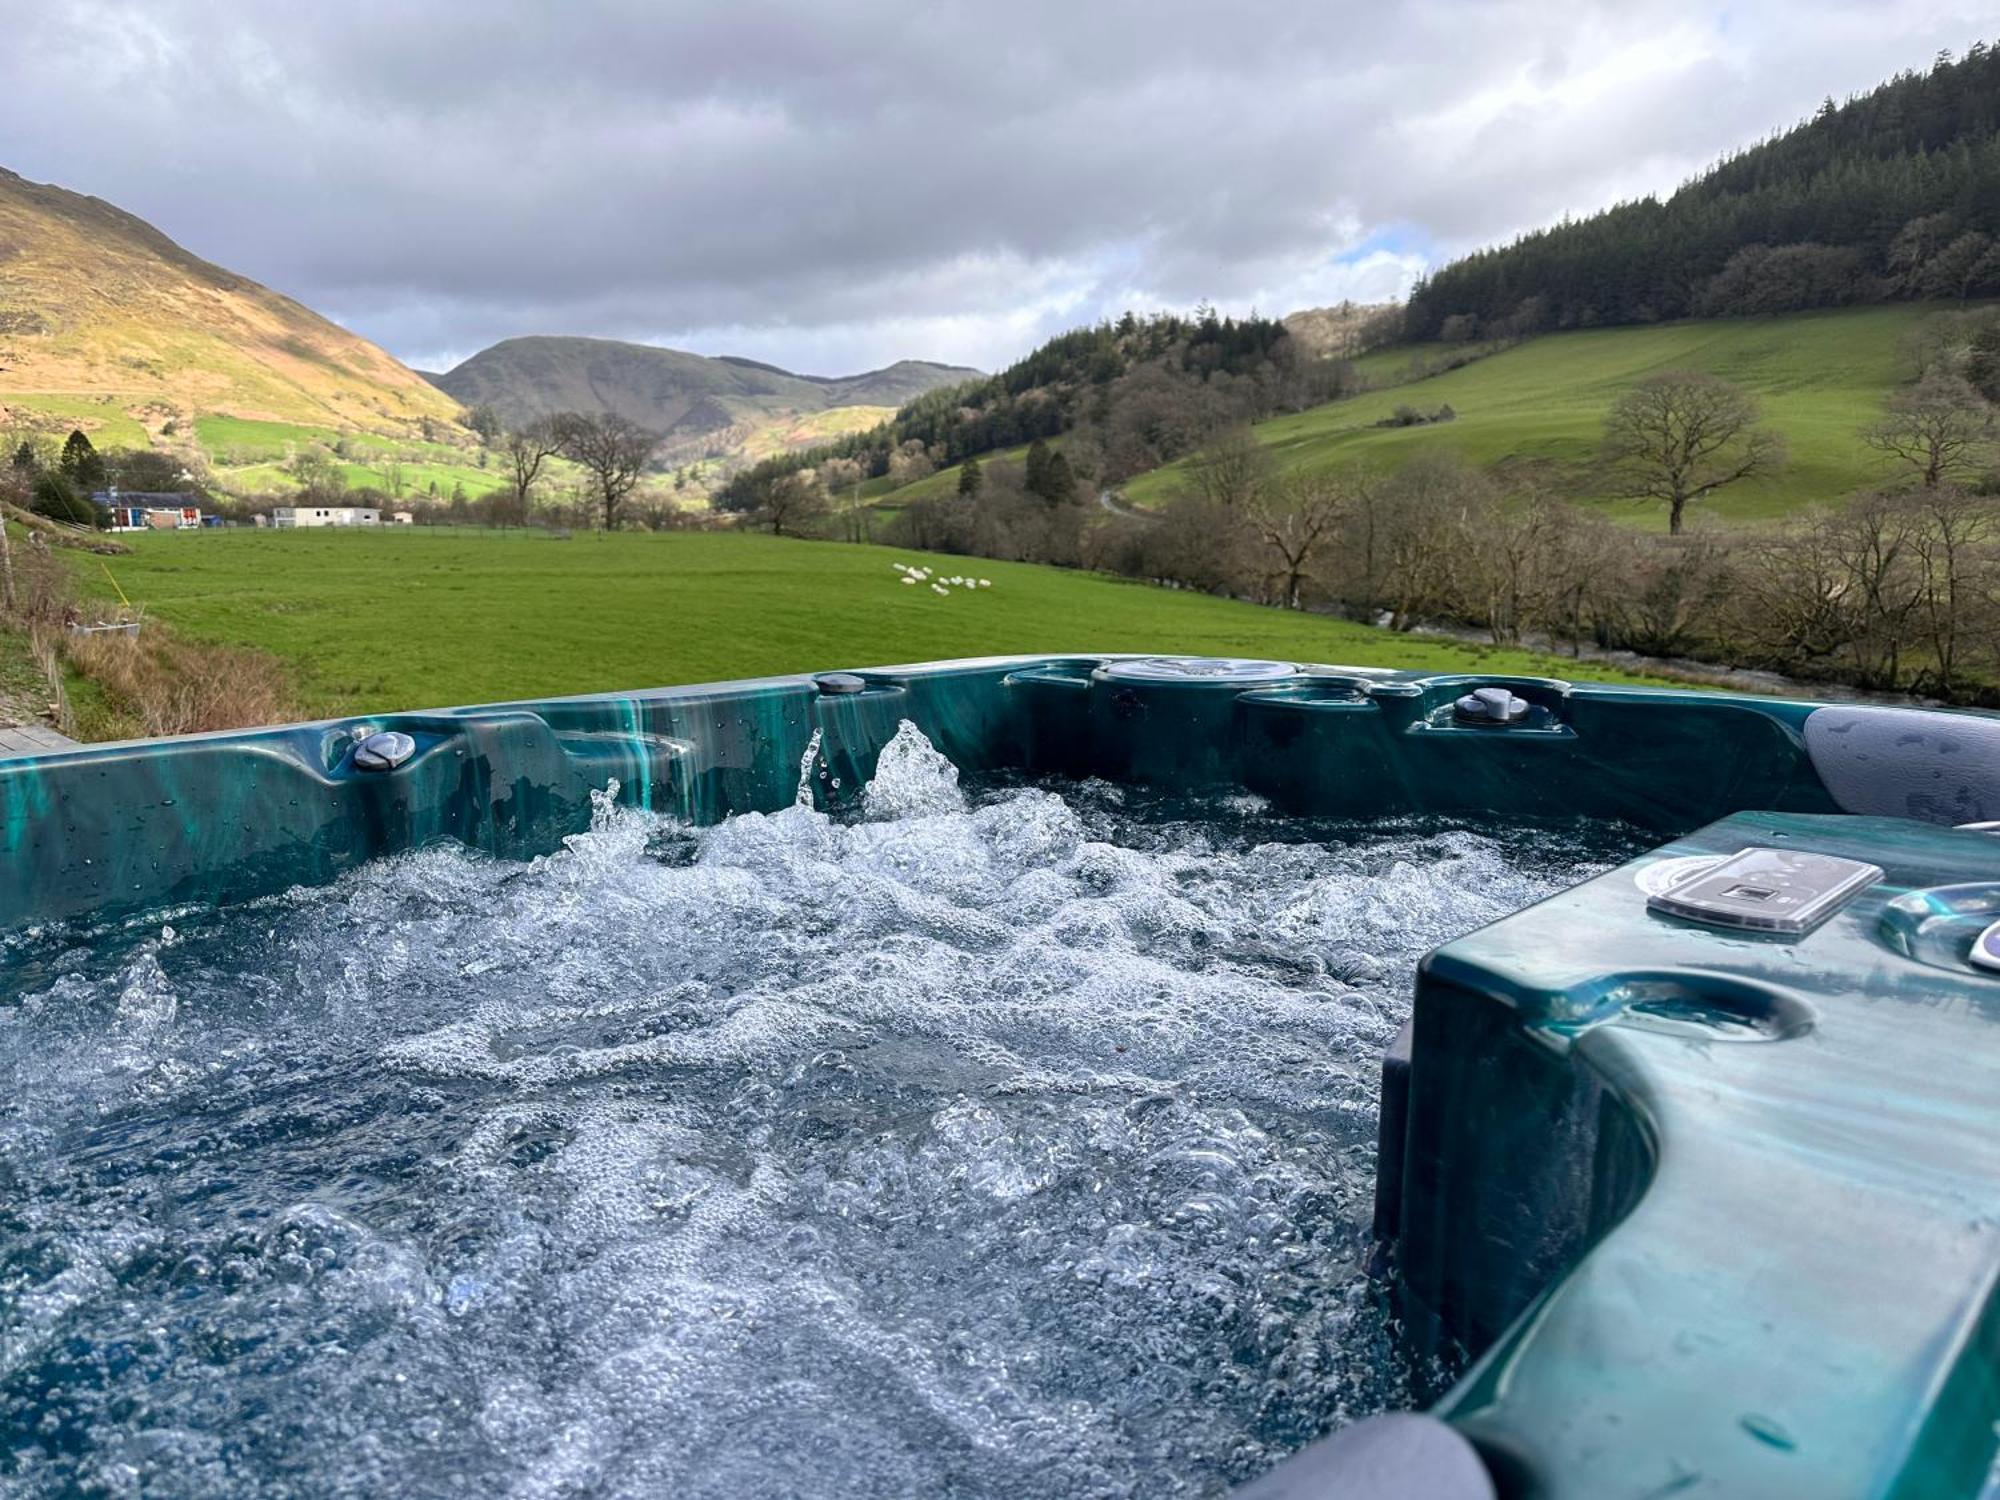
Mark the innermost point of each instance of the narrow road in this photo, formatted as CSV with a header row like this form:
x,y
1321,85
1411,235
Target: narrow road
x,y
1109,500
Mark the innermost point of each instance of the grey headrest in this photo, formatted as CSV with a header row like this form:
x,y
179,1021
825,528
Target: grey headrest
x,y
1926,764
1396,1456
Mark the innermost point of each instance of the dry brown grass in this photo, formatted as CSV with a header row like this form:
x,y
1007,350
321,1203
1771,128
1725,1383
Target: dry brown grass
x,y
165,685
113,686
44,587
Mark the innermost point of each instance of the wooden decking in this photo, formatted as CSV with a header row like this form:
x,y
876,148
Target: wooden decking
x,y
31,739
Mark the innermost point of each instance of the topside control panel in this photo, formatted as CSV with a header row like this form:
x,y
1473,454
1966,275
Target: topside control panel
x,y
1785,891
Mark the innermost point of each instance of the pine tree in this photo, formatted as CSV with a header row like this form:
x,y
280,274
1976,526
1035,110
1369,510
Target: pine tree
x,y
81,464
24,457
1060,481
1036,479
968,479
1837,210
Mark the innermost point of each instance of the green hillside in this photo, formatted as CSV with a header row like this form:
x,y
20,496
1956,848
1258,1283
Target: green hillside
x,y
249,457
1893,195
1820,376
459,616
939,483
108,326
107,322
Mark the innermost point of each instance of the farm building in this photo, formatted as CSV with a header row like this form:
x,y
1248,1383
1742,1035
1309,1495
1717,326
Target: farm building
x,y
326,515
149,510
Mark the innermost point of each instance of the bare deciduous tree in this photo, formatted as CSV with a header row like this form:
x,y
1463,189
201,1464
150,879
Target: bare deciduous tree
x,y
1234,472
613,449
1421,539
910,462
1794,595
1952,548
1942,429
528,447
1680,436
1669,592
1514,544
1295,525
1875,535
792,504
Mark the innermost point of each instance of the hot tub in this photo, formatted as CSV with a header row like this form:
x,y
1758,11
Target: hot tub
x,y
1675,1207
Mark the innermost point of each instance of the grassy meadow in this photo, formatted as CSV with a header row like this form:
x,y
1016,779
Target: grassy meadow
x,y
1821,377
422,617
249,456
103,417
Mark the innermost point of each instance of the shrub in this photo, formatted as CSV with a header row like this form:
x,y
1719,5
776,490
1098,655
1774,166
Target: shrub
x,y
56,497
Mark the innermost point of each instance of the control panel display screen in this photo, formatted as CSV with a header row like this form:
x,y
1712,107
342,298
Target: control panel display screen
x,y
1788,891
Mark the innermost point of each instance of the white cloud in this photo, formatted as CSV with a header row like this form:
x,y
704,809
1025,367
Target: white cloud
x,y
829,187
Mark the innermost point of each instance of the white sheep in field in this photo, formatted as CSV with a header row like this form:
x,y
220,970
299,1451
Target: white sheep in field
x,y
938,588
986,583
908,579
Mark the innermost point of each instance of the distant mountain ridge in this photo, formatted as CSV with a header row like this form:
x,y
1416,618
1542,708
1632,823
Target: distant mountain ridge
x,y
100,311
670,391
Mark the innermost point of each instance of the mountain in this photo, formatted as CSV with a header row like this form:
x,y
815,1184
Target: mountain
x,y
106,322
672,392
1891,196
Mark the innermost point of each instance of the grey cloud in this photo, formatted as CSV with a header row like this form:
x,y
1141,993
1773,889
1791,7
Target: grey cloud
x,y
865,181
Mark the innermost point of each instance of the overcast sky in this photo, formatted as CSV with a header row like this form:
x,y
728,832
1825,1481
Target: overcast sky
x,y
835,184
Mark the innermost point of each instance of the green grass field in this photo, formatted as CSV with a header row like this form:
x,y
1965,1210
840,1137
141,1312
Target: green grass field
x,y
423,617
943,482
1820,376
249,457
219,434
103,418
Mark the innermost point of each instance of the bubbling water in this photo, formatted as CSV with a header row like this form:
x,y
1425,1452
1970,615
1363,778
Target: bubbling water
x,y
1016,1143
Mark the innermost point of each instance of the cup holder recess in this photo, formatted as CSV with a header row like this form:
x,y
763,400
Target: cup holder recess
x,y
1699,1007
1938,926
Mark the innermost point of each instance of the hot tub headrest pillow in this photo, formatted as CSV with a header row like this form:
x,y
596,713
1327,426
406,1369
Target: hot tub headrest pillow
x,y
1907,762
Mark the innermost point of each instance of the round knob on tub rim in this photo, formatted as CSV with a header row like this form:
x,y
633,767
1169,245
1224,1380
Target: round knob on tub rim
x,y
1490,705
383,751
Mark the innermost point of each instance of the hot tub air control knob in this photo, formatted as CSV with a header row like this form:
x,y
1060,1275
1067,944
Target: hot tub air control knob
x,y
384,751
1490,705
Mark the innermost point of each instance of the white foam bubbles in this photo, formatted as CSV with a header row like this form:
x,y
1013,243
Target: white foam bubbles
x,y
1004,1142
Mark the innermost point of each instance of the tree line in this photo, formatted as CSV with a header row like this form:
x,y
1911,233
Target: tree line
x,y
614,454
1894,194
1895,589
1140,391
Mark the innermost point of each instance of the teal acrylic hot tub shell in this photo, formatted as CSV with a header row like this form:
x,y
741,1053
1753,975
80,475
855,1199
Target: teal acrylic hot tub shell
x,y
1712,1214
1723,1209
